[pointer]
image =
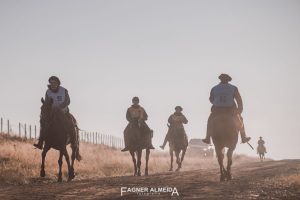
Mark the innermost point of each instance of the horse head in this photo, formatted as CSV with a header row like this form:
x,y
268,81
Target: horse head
x,y
46,113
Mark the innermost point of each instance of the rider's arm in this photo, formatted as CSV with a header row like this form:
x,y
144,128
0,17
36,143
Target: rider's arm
x,y
128,116
67,100
145,116
47,98
170,119
184,119
239,100
211,96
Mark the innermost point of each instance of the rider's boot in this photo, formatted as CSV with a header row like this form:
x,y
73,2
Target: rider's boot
x,y
164,144
206,140
125,149
126,141
208,131
39,145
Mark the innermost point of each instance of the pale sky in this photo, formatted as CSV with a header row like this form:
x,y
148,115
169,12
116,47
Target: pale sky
x,y
167,52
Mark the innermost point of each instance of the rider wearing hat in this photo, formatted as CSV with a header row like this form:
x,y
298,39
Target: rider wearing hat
x,y
176,120
136,112
61,99
224,97
261,142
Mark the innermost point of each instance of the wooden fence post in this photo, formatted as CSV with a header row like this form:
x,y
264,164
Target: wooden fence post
x,y
1,125
25,128
19,130
29,131
109,137
8,127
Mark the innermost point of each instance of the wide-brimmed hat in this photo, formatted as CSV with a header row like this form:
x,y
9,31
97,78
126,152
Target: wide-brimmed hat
x,y
178,107
225,77
54,78
260,137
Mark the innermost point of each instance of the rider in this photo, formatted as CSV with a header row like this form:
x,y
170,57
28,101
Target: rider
x,y
61,99
175,120
222,97
136,112
261,142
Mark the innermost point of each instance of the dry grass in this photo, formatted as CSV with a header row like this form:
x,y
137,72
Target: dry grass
x,y
20,162
292,180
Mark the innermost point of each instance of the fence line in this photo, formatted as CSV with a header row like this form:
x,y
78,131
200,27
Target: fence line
x,y
21,130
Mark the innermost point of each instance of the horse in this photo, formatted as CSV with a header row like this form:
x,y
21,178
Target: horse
x,y
178,143
224,134
261,150
57,131
139,137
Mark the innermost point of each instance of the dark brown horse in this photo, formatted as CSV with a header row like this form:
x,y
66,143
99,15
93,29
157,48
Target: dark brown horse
x,y
224,135
178,143
57,131
140,137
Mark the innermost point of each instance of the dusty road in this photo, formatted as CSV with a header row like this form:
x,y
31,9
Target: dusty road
x,y
250,181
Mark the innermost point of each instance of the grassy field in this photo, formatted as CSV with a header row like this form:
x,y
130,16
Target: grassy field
x,y
20,162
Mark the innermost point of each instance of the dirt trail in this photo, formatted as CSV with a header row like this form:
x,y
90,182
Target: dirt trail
x,y
251,181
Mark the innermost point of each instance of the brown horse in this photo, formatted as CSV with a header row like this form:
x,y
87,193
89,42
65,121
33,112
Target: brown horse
x,y
261,150
178,143
57,130
224,135
139,137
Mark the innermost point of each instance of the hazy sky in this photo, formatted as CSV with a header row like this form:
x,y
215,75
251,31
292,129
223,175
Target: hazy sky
x,y
166,52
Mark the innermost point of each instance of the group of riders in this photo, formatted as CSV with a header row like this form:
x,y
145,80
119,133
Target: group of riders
x,y
225,99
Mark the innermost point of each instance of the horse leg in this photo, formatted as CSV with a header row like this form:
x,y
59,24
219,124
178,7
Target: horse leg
x,y
73,157
182,156
147,159
139,162
171,155
71,173
260,157
44,153
177,160
220,157
60,162
132,153
229,163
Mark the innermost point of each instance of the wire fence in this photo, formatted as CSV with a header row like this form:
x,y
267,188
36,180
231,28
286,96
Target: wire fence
x,y
28,131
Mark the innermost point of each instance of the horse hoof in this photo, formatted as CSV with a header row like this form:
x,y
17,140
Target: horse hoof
x,y
139,173
222,179
171,169
59,179
146,173
229,177
71,176
178,169
42,173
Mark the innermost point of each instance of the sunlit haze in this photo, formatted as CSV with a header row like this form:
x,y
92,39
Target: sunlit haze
x,y
166,52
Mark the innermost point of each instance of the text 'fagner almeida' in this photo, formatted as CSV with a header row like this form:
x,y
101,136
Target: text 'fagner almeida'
x,y
147,191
